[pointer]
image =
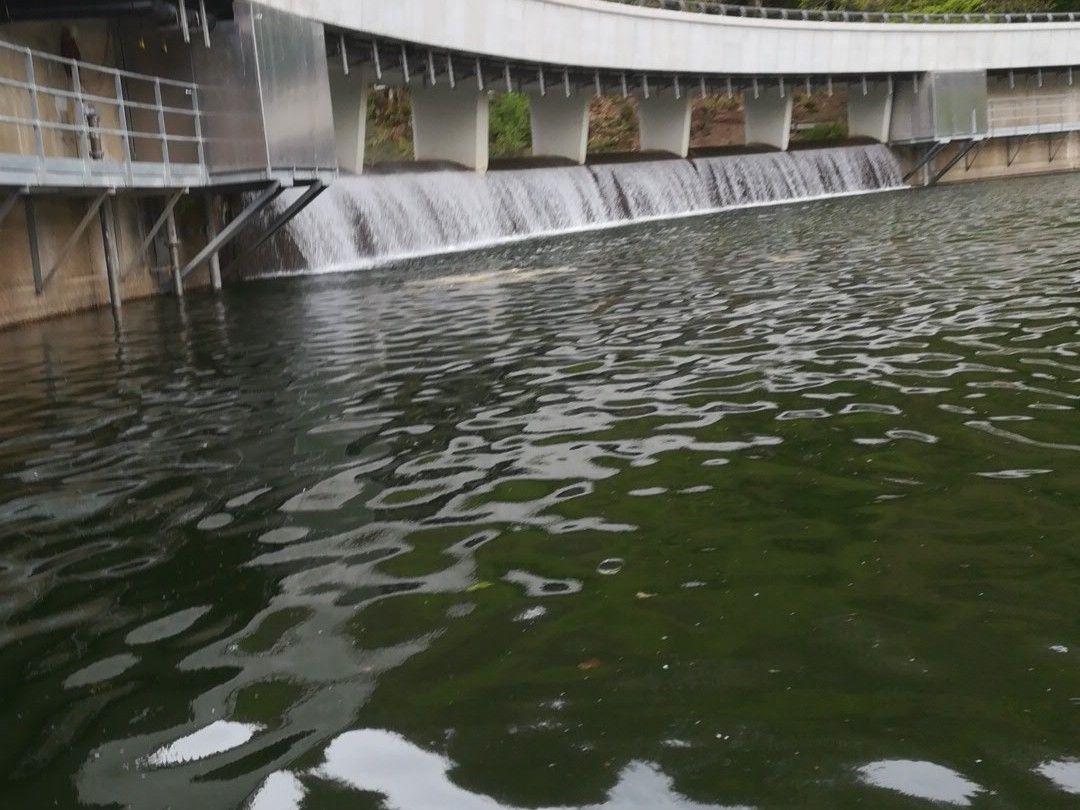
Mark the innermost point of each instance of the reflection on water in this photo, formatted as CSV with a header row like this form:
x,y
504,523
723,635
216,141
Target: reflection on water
x,y
923,780
767,509
410,777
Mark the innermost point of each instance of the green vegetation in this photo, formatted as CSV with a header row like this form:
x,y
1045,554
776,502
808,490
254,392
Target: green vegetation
x,y
823,131
511,133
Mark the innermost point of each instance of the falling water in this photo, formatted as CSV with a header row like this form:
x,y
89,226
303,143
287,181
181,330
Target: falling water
x,y
368,220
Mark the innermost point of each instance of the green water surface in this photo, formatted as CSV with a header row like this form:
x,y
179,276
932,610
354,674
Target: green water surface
x,y
776,508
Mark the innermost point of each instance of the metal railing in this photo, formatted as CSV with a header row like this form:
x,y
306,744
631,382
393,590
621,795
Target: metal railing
x,y
74,123
1034,115
824,15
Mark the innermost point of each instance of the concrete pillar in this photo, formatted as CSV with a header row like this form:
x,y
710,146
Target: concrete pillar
x,y
451,124
768,117
870,112
560,124
665,123
349,98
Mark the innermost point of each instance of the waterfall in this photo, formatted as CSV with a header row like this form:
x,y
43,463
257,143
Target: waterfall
x,y
374,219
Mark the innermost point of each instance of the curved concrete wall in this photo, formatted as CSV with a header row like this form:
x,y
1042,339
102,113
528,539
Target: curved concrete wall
x,y
600,34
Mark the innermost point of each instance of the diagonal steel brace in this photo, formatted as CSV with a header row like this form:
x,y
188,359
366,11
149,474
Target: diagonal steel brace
x,y
268,194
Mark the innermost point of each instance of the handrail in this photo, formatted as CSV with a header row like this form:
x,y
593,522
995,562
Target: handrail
x,y
73,63
164,122
826,15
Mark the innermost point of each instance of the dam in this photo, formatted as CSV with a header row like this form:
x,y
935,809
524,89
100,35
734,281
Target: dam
x,y
730,462
206,127
367,220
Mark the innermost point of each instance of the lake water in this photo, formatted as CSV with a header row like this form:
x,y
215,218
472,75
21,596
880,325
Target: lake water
x,y
771,508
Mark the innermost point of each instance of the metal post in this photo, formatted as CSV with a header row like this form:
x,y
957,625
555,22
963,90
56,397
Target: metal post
x,y
161,126
112,262
35,111
80,117
344,54
35,248
184,28
174,254
212,232
149,237
196,109
204,24
122,110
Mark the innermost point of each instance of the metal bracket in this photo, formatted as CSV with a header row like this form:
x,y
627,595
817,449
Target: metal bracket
x,y
158,225
1012,154
1051,151
283,219
970,157
69,245
261,200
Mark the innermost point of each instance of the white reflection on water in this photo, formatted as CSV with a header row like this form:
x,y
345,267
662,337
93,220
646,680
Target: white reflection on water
x,y
1065,773
280,791
219,736
923,780
414,779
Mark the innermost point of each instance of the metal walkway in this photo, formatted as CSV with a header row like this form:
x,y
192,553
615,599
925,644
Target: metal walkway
x,y
76,125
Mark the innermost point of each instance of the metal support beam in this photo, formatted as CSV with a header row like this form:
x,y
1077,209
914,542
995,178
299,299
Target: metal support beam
x,y
218,242
211,233
35,247
159,223
112,259
931,153
969,159
185,29
1051,151
174,253
283,219
69,245
961,152
203,24
1010,153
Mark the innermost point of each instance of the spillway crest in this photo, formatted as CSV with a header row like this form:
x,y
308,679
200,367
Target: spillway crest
x,y
374,219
